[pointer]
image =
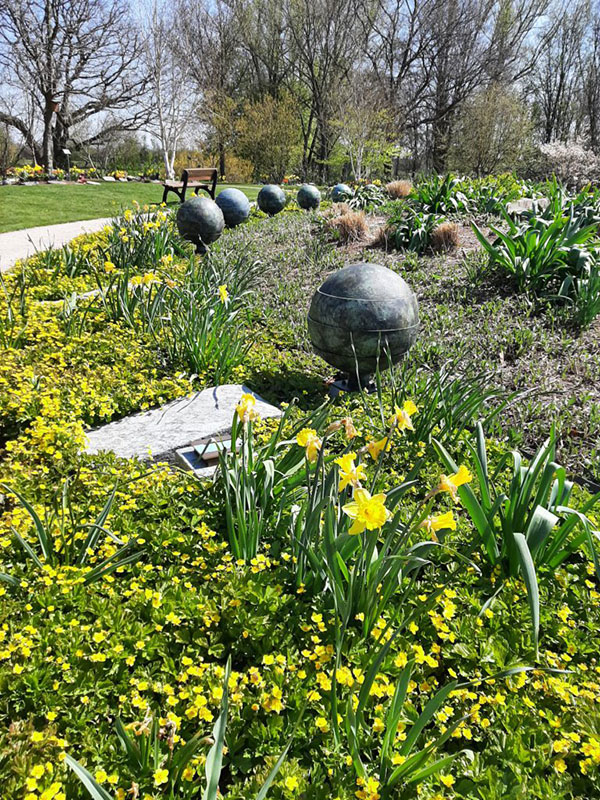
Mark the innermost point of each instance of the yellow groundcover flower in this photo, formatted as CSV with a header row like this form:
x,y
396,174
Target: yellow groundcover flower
x,y
246,408
351,474
402,416
308,439
439,522
161,776
223,293
366,511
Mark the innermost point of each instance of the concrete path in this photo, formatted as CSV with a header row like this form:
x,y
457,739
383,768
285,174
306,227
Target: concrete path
x,y
21,244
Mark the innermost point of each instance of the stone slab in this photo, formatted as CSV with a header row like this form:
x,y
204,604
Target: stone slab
x,y
162,431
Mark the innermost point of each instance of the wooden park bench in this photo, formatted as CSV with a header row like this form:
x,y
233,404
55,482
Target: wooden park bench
x,y
196,179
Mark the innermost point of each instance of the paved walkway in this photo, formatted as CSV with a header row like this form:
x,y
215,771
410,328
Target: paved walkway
x,y
21,244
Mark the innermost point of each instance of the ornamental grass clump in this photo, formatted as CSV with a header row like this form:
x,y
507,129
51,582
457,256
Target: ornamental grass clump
x,y
398,190
350,227
444,237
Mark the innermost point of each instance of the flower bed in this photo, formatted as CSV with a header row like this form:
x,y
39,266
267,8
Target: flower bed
x,y
374,639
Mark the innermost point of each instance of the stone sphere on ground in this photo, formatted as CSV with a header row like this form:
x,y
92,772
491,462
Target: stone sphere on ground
x,y
235,206
365,309
308,196
200,218
341,192
271,199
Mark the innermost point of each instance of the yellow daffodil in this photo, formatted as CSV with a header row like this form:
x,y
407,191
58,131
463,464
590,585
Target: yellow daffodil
x,y
223,293
109,266
451,483
349,428
366,511
246,408
351,474
439,522
375,448
402,416
308,439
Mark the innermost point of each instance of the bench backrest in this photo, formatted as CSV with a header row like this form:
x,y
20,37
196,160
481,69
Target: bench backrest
x,y
199,174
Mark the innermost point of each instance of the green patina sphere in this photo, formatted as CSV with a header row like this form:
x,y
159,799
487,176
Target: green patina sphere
x,y
200,220
363,309
308,196
271,199
341,192
235,206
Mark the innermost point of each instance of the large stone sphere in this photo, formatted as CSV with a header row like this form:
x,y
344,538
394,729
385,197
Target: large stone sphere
x,y
200,219
235,206
363,308
271,199
308,196
341,192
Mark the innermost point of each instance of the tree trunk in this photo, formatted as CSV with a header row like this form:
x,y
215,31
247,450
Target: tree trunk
x,y
47,143
221,159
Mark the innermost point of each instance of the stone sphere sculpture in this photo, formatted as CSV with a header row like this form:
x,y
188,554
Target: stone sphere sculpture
x,y
360,311
271,199
201,221
235,206
308,196
341,192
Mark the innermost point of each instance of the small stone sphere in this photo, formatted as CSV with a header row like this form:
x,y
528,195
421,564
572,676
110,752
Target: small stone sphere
x,y
235,206
364,309
200,218
271,199
308,196
341,192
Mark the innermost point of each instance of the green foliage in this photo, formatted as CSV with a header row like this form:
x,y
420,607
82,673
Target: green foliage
x,y
63,539
540,254
436,194
410,229
367,196
529,525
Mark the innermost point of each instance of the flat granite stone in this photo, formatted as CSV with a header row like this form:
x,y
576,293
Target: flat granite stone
x,y
160,432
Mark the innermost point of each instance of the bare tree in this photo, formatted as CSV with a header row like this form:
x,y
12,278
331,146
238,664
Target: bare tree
x,y
209,43
554,82
325,36
76,60
172,103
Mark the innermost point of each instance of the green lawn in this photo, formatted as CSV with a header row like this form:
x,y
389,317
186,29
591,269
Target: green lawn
x,y
29,206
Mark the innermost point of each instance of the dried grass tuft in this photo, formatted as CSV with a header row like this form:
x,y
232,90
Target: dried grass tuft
x,y
444,237
399,189
351,227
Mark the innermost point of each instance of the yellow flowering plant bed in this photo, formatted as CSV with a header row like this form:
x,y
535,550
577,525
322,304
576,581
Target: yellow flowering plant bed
x,y
353,609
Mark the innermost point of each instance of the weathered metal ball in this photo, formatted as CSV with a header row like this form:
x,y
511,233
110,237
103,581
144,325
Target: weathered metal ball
x,y
308,196
271,199
235,206
341,192
200,218
360,314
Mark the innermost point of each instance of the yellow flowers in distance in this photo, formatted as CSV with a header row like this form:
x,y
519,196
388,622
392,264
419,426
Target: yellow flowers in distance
x,y
309,439
223,293
367,512
351,474
246,408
